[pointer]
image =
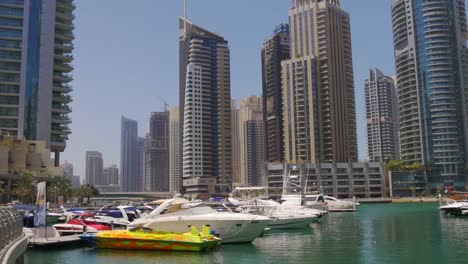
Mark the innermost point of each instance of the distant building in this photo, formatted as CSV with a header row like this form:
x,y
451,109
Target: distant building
x,y
175,169
141,141
319,118
275,49
205,90
67,170
252,152
35,68
131,179
340,180
236,158
76,181
94,168
157,154
382,117
111,175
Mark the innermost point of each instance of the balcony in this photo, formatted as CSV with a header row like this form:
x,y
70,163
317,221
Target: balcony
x,y
61,109
62,88
62,67
64,58
61,120
62,77
61,98
64,35
65,47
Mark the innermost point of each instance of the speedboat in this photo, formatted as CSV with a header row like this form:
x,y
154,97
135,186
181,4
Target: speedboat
x,y
455,208
282,216
148,239
333,204
114,216
79,225
175,215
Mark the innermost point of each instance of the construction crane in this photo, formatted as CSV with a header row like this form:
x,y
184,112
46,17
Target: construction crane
x,y
166,105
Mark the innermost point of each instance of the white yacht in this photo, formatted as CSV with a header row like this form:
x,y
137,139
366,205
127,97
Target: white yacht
x,y
114,216
175,215
331,203
455,208
282,216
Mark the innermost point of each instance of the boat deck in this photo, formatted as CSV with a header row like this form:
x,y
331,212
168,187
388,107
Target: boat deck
x,y
53,241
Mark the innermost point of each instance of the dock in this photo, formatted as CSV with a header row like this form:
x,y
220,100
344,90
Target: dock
x,y
54,241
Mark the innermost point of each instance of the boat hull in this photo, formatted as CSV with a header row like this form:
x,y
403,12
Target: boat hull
x,y
170,242
230,231
291,223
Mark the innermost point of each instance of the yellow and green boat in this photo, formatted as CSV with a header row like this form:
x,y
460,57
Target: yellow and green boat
x,y
148,239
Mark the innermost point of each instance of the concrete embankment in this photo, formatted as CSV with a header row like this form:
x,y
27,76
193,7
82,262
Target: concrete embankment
x,y
399,200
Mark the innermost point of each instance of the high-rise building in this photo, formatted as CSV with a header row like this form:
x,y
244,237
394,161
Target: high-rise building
x,y
175,170
206,107
75,182
319,117
252,152
157,154
382,117
94,168
430,41
236,160
68,170
35,62
130,157
275,49
111,175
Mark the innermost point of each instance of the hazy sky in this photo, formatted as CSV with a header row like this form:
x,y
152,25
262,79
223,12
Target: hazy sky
x,y
126,58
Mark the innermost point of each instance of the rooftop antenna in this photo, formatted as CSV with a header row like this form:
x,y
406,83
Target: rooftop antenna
x,y
185,18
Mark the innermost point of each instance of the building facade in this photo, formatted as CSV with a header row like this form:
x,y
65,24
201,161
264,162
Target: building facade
x,y
131,179
35,64
175,170
94,168
340,180
235,135
67,170
275,49
111,175
382,117
157,154
430,41
318,85
252,152
206,94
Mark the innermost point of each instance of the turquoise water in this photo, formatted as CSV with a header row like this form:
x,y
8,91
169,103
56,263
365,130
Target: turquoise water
x,y
391,233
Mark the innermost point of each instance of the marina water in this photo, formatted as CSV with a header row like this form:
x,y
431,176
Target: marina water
x,y
389,233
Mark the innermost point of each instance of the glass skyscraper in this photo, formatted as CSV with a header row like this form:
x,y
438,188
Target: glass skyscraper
x,y
430,40
35,55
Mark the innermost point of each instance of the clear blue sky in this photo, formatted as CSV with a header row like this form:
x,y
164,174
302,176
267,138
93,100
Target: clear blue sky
x,y
126,58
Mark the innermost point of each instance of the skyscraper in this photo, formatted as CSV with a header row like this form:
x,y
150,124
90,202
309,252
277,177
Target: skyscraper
x,y
130,157
157,154
35,55
382,117
252,152
430,40
318,85
68,170
275,49
111,175
175,170
236,160
94,168
206,102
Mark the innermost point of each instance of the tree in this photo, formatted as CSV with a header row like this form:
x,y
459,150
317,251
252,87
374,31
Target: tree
x,y
395,164
61,187
26,188
87,190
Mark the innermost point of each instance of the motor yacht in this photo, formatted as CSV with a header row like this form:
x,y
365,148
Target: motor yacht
x,y
114,216
282,216
455,208
331,203
175,215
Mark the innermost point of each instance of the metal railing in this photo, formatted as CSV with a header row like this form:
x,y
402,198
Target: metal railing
x,y
11,230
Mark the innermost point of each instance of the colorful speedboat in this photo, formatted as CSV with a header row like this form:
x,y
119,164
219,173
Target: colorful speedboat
x,y
149,239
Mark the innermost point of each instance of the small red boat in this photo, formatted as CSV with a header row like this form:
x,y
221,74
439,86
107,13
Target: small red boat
x,y
79,225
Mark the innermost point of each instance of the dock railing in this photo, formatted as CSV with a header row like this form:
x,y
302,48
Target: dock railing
x,y
13,242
